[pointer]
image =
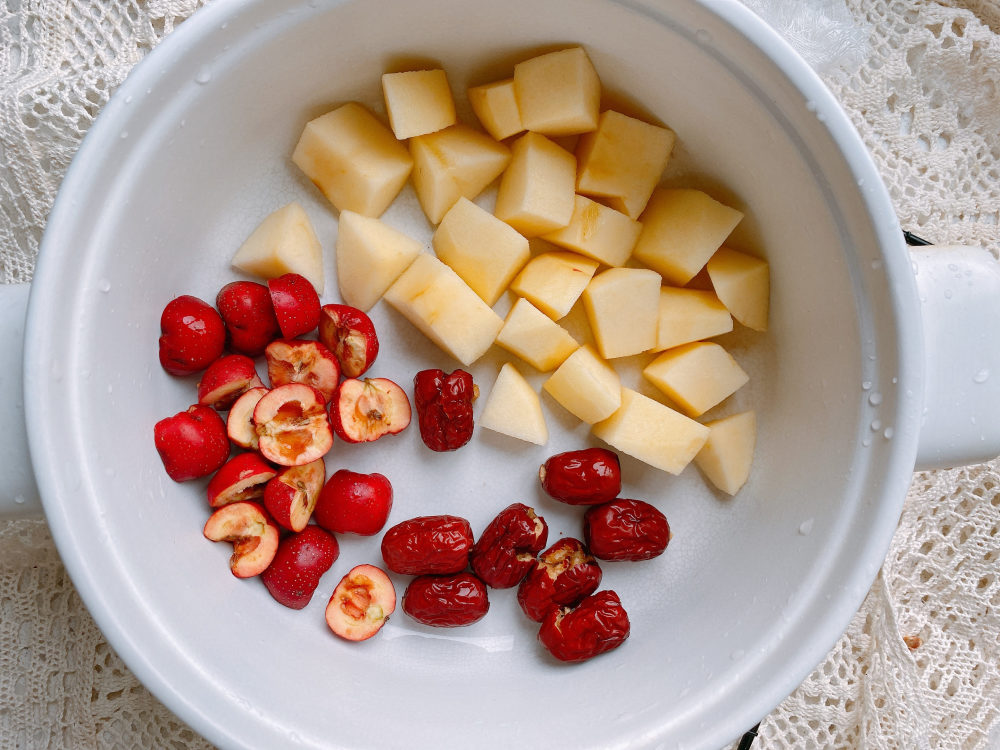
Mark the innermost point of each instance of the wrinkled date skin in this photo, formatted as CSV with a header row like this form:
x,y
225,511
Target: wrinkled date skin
x,y
446,601
428,545
444,408
625,530
598,624
563,575
590,476
507,547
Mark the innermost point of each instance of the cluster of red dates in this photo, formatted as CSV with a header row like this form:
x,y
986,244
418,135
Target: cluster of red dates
x,y
556,587
273,501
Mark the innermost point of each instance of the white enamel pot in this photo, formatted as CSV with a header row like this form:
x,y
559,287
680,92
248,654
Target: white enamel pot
x,y
855,384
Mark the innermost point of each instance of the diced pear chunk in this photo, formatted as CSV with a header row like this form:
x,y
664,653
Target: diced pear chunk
x,y
687,315
727,455
681,230
496,107
443,307
743,285
623,160
513,408
353,159
370,256
554,281
457,162
535,337
598,232
622,306
486,252
284,242
418,102
536,193
696,376
586,386
652,432
558,93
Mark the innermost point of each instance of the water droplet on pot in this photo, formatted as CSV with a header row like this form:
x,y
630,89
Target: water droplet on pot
x,y
806,527
703,36
982,376
866,385
124,135
128,99
875,399
20,499
876,425
104,285
876,265
947,293
203,76
866,442
888,433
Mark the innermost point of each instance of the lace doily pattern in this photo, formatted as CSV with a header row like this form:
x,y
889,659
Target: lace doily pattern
x,y
919,665
59,63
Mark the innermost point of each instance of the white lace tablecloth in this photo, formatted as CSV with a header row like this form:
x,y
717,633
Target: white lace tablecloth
x,y
918,667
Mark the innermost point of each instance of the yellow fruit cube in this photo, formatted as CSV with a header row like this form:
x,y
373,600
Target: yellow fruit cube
x,y
418,102
623,161
513,408
535,337
622,306
696,376
486,252
284,242
651,432
353,159
598,232
742,283
687,315
727,455
554,281
496,107
370,256
457,162
536,193
681,230
443,307
558,93
586,386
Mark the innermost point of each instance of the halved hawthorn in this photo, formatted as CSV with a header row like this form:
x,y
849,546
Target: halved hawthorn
x,y
350,334
361,603
365,410
292,426
302,361
239,423
243,477
253,534
292,495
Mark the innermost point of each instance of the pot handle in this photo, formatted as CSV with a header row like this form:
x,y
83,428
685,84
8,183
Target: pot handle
x,y
18,492
959,289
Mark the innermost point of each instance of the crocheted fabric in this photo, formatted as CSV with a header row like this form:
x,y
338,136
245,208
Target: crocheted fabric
x,y
918,665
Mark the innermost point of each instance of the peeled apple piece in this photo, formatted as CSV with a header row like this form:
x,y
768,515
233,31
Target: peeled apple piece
x,y
513,408
652,432
353,159
371,255
681,230
742,283
727,455
284,242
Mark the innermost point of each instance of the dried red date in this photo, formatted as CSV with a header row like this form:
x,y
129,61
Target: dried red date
x,y
583,477
427,545
562,576
444,408
446,601
599,623
507,547
625,530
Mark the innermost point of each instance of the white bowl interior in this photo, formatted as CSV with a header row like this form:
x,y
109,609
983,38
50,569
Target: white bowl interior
x,y
194,151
